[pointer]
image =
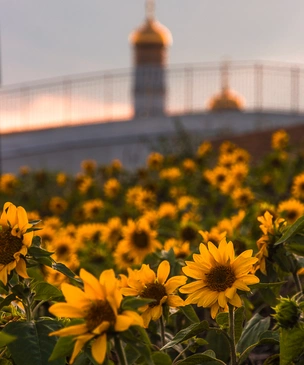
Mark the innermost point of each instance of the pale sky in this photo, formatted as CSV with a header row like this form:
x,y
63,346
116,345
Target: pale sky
x,y
49,38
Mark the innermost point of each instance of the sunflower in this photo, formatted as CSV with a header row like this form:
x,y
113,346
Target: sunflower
x,y
242,197
58,205
218,274
171,174
291,210
99,307
297,189
167,210
181,249
279,140
8,183
14,240
155,161
138,241
189,166
111,232
203,149
146,284
61,179
92,207
216,176
89,166
111,188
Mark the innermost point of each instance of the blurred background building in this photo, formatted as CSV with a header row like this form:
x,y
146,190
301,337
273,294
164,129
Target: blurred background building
x,y
123,114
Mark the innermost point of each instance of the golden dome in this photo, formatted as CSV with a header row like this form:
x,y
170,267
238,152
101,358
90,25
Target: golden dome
x,y
226,100
151,32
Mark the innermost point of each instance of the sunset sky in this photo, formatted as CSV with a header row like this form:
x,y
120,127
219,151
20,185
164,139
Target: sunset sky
x,y
49,38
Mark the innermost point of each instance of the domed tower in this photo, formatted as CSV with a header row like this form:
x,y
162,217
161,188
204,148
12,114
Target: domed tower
x,y
150,43
226,99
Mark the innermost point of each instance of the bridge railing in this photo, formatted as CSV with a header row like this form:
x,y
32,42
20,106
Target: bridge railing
x,y
107,96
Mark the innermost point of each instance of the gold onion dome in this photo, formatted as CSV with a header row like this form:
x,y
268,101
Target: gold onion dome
x,y
151,32
227,99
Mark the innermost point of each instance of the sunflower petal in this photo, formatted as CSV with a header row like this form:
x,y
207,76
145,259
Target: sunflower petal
x,y
66,310
74,295
92,287
99,348
163,271
78,329
173,283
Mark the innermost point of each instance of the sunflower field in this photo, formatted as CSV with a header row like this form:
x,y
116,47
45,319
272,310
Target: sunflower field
x,y
195,258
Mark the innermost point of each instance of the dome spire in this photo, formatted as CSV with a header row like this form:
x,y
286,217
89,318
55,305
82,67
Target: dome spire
x,y
150,10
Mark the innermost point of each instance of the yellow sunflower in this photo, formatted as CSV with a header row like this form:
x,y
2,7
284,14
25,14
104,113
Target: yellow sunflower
x,y
218,275
155,161
58,205
146,284
203,149
14,240
111,232
98,305
138,241
111,188
242,197
291,210
297,189
279,140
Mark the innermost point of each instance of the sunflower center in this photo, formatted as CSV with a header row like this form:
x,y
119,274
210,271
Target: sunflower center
x,y
9,245
141,239
63,250
99,311
154,291
220,278
292,214
188,233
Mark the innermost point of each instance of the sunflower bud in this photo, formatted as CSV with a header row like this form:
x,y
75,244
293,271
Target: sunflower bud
x,y
288,312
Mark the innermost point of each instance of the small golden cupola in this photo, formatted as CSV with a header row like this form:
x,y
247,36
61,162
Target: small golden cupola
x,y
150,43
226,99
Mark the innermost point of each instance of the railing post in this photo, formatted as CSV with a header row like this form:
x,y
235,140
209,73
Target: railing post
x,y
295,89
188,87
258,86
67,101
24,108
108,96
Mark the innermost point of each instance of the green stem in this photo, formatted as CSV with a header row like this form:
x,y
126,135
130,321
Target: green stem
x,y
233,358
297,282
28,311
120,351
162,330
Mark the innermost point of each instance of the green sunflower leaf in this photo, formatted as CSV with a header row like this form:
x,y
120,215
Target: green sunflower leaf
x,y
63,348
186,333
207,358
295,228
190,313
38,252
5,339
34,337
161,358
66,271
46,291
291,344
130,303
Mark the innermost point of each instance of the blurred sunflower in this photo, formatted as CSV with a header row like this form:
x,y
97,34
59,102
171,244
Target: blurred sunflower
x,y
138,241
91,208
8,183
291,210
111,232
155,161
279,140
61,179
242,197
146,284
218,275
181,249
297,188
171,174
111,188
215,235
14,240
216,176
99,307
58,205
167,211
89,166
144,200
189,166
203,149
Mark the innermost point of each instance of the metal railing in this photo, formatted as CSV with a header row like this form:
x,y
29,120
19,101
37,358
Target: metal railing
x,y
107,96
